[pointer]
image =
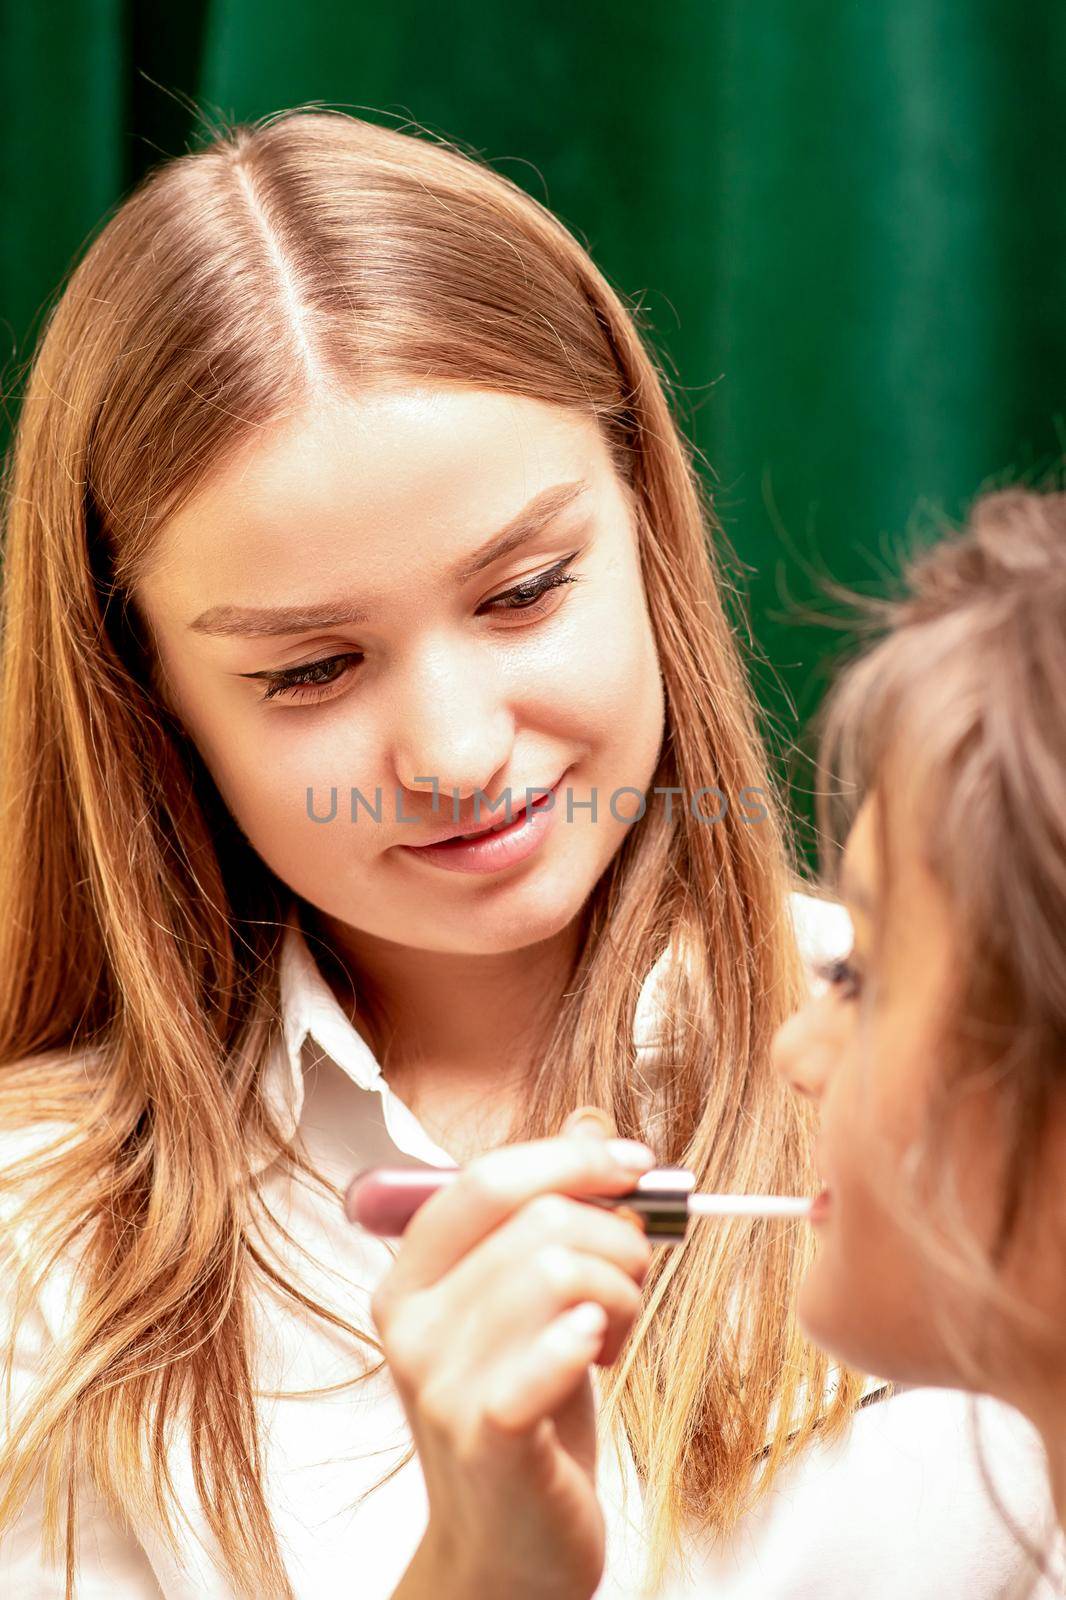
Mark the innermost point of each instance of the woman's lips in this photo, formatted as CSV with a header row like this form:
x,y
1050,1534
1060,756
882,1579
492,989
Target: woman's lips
x,y
488,827
494,848
820,1207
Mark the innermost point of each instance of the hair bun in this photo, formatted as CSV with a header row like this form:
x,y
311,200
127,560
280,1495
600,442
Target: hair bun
x,y
1020,532
1012,538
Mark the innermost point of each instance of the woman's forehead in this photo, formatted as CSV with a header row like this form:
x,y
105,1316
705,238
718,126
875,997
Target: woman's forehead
x,y
417,476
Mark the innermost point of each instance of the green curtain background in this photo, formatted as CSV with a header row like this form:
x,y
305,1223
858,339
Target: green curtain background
x,y
846,223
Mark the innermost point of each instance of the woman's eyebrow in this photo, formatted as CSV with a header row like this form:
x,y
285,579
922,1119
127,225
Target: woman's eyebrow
x,y
266,621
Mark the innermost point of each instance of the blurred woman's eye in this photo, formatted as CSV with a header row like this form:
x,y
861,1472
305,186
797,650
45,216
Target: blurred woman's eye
x,y
841,976
312,681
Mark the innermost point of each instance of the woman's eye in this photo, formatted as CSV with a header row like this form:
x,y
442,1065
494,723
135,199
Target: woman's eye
x,y
299,684
840,975
525,596
312,681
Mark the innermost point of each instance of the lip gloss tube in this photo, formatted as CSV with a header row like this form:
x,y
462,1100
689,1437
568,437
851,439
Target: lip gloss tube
x,y
662,1202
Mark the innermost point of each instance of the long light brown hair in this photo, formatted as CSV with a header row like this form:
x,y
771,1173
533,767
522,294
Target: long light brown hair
x,y
954,725
306,254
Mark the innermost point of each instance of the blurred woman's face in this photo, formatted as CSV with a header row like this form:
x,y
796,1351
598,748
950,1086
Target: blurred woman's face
x,y
869,1049
330,613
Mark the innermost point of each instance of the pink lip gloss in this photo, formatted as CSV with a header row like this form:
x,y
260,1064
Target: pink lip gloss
x,y
384,1199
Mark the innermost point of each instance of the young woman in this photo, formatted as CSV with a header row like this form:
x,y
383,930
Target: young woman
x,y
346,502
938,1052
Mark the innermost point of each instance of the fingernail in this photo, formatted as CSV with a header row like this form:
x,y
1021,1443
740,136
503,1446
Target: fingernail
x,y
588,1320
591,1128
590,1120
631,1153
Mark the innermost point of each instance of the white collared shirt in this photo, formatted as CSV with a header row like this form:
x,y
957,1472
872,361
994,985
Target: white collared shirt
x,y
895,1511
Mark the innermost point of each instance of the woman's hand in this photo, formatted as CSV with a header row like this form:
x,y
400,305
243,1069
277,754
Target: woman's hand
x,y
502,1293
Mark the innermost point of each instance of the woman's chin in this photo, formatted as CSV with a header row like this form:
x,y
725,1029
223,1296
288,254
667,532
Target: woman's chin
x,y
826,1312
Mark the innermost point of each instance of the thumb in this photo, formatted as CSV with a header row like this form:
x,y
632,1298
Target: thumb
x,y
590,1122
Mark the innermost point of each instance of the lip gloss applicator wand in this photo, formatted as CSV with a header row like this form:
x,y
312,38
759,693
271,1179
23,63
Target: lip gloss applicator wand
x,y
663,1201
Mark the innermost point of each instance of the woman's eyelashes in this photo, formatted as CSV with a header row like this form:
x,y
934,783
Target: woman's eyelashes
x,y
841,976
307,683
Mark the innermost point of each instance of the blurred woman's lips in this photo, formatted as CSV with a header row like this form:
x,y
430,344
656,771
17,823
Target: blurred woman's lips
x,y
819,1207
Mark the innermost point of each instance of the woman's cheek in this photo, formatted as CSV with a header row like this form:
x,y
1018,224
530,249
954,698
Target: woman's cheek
x,y
290,786
579,675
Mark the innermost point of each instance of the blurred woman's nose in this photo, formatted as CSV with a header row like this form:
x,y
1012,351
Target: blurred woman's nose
x,y
799,1053
452,725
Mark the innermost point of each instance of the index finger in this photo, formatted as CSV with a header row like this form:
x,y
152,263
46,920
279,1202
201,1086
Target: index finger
x,y
494,1185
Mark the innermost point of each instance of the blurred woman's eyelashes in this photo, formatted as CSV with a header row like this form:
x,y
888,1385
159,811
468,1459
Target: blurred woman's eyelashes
x,y
305,684
840,975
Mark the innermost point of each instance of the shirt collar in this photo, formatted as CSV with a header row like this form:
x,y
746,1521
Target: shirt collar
x,y
310,1010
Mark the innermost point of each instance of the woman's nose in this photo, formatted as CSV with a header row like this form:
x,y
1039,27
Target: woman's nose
x,y
453,728
798,1052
